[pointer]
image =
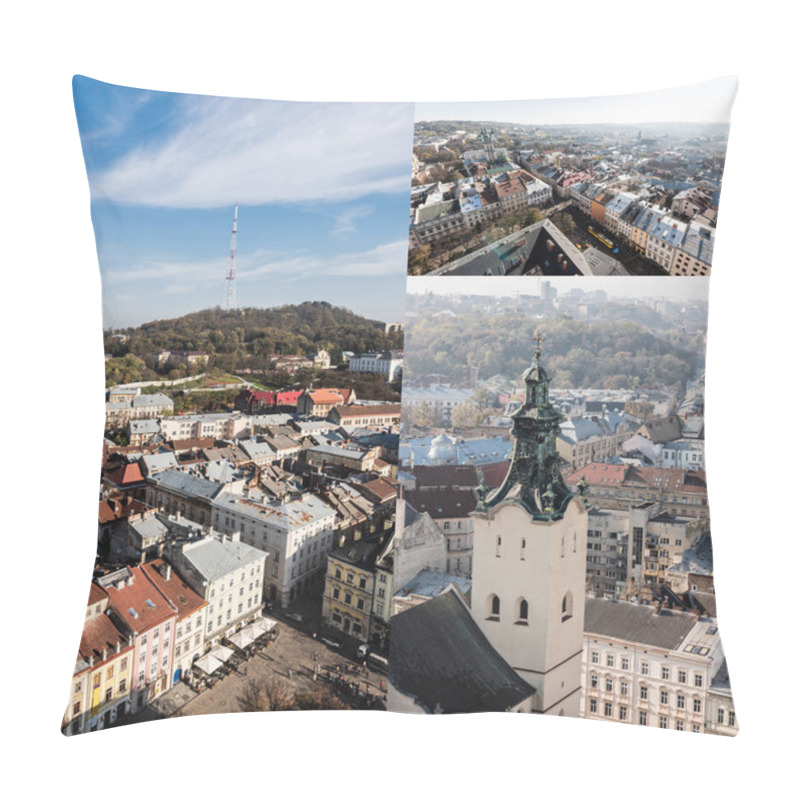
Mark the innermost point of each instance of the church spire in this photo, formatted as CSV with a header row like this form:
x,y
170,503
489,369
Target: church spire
x,y
534,478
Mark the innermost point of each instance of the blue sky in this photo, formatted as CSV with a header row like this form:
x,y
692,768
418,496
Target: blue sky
x,y
323,192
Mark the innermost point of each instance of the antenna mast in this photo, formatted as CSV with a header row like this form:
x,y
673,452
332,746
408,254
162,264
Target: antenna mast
x,y
230,278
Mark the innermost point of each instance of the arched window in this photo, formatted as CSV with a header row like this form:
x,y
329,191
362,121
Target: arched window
x,y
493,607
522,611
566,607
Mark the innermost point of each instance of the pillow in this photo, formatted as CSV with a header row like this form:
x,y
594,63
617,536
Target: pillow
x,y
527,531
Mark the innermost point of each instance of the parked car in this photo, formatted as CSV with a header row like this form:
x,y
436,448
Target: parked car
x,y
361,652
334,642
296,616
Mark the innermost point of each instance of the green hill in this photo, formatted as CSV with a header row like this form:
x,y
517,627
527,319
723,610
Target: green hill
x,y
245,339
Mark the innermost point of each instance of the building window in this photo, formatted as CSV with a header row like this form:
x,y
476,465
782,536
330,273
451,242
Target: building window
x,y
643,718
662,722
645,668
608,709
609,659
592,706
731,718
623,713
593,680
698,680
679,725
609,685
522,613
681,701
665,673
623,687
681,676
643,693
624,663
595,657
566,607
697,705
493,606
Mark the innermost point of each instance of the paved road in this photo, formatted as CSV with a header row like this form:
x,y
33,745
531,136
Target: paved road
x,y
290,659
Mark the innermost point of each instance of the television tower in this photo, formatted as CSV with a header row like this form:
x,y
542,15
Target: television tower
x,y
230,278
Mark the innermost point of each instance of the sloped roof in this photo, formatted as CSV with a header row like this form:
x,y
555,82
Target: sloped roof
x,y
637,623
441,658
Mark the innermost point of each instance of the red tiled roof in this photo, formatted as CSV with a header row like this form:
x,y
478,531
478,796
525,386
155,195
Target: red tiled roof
x,y
98,633
96,594
117,507
665,479
192,444
135,597
182,597
380,488
326,396
126,475
369,411
495,474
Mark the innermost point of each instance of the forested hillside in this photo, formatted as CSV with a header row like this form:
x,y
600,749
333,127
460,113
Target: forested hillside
x,y
243,339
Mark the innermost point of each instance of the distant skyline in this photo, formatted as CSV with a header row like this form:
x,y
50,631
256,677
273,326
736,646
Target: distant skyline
x,y
678,289
323,193
706,102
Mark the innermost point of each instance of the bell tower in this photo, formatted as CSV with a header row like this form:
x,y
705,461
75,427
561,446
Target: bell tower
x,y
529,557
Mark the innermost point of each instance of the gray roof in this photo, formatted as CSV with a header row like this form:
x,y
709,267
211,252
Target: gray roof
x,y
213,558
287,515
186,483
145,426
431,584
256,449
342,452
441,658
433,211
159,461
637,623
150,527
151,400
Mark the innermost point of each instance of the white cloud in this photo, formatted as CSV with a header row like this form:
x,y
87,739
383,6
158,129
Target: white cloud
x,y
182,277
345,222
262,152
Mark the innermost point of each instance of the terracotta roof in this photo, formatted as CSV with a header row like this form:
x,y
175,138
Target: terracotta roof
x,y
125,476
600,473
664,479
176,590
101,633
369,411
148,606
192,444
326,396
117,507
495,474
382,489
96,594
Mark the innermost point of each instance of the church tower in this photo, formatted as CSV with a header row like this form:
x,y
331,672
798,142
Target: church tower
x,y
529,557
